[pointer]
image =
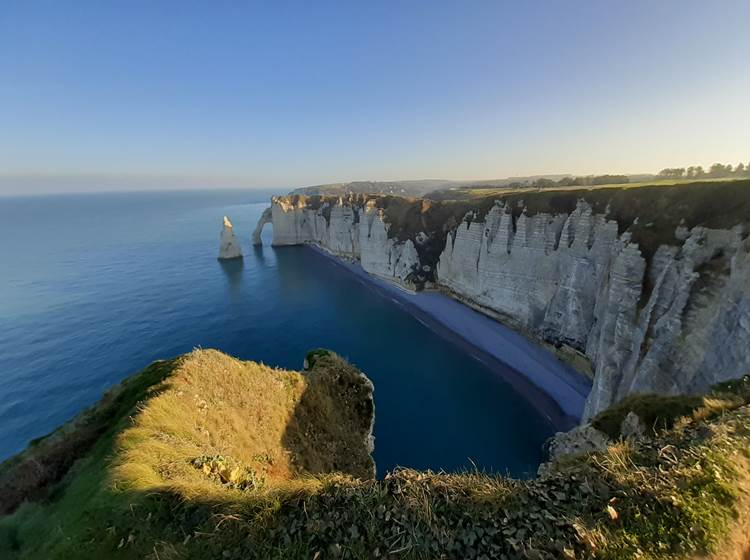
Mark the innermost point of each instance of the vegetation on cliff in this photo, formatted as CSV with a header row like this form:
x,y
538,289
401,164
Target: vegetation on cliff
x,y
208,457
183,441
651,213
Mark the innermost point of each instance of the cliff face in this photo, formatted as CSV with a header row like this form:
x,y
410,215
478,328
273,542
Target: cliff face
x,y
573,279
658,304
352,228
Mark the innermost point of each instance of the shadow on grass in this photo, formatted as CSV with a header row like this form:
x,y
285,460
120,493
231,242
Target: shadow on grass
x,y
670,495
330,428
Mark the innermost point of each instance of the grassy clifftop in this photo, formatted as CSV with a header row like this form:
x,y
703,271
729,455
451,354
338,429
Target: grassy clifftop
x,y
651,213
209,457
200,434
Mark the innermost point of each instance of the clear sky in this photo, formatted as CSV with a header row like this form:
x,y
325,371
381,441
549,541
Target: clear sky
x,y
105,94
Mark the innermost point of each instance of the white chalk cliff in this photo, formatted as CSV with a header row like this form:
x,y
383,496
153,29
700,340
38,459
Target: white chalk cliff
x,y
573,279
229,247
676,324
347,230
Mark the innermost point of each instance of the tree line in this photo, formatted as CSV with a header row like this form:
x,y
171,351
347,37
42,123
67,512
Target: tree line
x,y
716,171
583,181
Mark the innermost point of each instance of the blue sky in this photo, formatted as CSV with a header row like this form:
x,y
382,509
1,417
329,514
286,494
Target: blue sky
x,y
281,93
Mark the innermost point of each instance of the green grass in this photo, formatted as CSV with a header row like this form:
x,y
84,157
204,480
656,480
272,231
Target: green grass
x,y
33,472
479,192
661,412
141,489
650,212
656,412
264,433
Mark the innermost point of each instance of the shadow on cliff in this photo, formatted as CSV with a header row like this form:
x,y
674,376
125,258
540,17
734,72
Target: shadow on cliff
x,y
330,428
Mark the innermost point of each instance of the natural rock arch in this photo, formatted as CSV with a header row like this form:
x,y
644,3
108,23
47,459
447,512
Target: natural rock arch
x,y
265,218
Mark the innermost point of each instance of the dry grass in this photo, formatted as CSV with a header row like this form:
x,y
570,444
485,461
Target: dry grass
x,y
240,410
228,459
245,417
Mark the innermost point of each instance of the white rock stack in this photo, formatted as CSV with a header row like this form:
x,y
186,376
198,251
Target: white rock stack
x,y
229,247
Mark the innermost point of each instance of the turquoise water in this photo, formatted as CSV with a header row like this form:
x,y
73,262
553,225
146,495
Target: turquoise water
x,y
94,287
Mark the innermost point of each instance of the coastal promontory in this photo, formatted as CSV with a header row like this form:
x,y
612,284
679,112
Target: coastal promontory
x,y
206,456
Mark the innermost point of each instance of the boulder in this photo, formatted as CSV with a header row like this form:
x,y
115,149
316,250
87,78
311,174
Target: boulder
x,y
632,426
583,439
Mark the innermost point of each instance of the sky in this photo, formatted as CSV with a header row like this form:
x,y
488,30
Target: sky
x,y
157,94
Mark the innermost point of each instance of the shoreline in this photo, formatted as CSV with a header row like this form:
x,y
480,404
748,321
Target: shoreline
x,y
554,388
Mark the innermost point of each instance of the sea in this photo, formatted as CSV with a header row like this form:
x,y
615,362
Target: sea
x,y
94,287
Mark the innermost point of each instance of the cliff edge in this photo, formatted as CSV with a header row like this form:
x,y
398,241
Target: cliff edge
x,y
651,283
209,457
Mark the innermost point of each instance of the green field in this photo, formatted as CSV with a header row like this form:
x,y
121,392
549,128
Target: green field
x,y
471,192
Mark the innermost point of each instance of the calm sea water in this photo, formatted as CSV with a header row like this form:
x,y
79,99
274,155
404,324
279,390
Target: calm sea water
x,y
95,287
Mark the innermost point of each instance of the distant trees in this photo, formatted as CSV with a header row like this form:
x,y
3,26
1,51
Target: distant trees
x,y
672,173
584,181
544,183
716,171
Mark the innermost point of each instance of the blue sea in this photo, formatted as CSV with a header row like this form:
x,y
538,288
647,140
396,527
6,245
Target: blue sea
x,y
94,287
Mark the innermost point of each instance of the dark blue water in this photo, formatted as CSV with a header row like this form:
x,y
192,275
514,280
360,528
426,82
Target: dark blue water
x,y
94,287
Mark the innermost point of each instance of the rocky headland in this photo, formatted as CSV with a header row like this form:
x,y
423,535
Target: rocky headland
x,y
205,456
650,284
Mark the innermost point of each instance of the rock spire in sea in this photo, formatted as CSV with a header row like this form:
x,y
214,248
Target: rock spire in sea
x,y
229,247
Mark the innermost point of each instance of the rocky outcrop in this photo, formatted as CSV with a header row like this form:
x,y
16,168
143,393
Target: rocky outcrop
x,y
632,426
583,439
657,306
361,397
229,247
586,438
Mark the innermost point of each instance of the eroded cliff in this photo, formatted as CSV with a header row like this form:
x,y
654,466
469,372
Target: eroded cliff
x,y
352,227
652,284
